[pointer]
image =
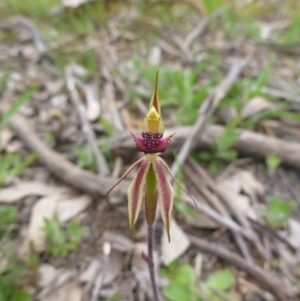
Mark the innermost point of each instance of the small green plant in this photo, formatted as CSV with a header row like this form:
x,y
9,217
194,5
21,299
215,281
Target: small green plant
x,y
221,150
278,212
211,6
12,279
14,274
107,125
62,241
184,285
85,158
13,164
221,280
16,106
8,223
272,161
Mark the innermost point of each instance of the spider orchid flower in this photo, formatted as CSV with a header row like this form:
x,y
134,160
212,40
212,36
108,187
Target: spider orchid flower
x,y
150,183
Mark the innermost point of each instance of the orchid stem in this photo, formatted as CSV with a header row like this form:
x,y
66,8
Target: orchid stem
x,y
150,262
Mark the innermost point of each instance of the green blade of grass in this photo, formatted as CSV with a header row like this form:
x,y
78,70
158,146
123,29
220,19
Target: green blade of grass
x,y
17,105
27,162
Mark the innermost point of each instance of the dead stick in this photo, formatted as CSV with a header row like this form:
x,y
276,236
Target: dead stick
x,y
207,109
214,201
61,167
218,218
102,165
282,291
200,28
226,202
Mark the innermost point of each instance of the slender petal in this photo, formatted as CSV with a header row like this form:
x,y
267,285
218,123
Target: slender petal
x,y
150,196
135,194
124,176
165,194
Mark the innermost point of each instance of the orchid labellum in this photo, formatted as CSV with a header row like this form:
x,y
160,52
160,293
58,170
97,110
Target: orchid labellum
x,y
150,183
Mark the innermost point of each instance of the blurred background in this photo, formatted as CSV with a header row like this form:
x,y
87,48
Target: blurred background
x,y
77,76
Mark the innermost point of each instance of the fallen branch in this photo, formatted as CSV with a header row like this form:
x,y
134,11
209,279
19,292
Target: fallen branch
x,y
283,291
61,167
248,144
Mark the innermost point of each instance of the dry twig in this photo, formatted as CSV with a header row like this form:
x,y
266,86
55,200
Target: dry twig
x,y
102,165
283,291
28,25
215,202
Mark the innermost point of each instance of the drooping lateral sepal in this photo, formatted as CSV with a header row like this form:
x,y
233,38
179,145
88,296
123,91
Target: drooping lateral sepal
x,y
170,173
135,194
165,195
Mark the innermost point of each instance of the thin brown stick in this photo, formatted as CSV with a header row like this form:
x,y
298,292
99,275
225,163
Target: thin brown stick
x,y
281,94
283,291
226,203
222,220
59,166
27,24
200,28
215,202
102,165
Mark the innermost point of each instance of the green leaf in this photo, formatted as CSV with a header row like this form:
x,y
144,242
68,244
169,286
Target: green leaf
x,y
221,280
62,241
230,136
272,161
170,270
85,158
8,214
204,156
278,212
21,296
75,232
184,275
175,292
212,5
24,164
228,155
107,126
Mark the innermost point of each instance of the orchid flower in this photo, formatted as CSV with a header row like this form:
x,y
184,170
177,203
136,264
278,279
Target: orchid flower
x,y
150,183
